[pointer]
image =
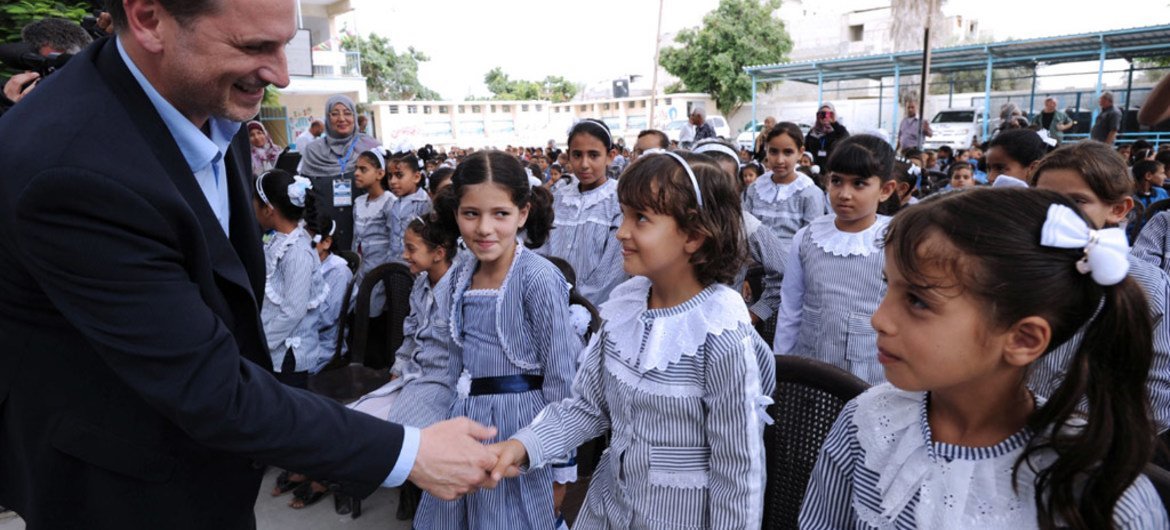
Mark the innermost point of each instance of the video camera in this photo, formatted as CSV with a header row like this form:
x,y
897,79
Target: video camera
x,y
22,57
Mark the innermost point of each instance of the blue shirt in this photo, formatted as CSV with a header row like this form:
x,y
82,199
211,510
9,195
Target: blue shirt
x,y
204,155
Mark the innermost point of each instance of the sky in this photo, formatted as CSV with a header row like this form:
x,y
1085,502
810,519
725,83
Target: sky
x,y
591,41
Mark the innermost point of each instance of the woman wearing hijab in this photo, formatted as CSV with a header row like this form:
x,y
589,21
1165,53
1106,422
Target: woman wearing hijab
x,y
824,135
329,164
264,152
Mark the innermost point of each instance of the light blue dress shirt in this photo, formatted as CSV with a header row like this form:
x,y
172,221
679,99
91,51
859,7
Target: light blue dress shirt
x,y
205,155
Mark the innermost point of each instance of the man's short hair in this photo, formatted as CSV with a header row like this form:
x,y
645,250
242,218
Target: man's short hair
x,y
183,10
663,139
699,111
1107,95
63,36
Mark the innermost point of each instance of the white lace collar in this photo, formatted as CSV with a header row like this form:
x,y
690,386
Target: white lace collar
x,y
769,191
676,331
573,197
957,487
828,238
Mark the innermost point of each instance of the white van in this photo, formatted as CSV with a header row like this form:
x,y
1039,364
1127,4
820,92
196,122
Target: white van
x,y
957,127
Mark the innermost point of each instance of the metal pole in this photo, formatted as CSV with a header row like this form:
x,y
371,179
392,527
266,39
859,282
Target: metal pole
x,y
1097,91
881,99
753,100
820,88
654,76
925,76
894,110
987,94
951,94
1032,97
1128,88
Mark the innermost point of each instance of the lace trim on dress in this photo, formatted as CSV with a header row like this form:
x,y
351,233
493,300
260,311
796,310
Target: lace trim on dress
x,y
828,238
769,191
572,197
956,486
277,248
461,289
674,332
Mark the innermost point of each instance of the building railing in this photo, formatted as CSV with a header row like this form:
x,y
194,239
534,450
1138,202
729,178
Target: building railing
x,y
337,64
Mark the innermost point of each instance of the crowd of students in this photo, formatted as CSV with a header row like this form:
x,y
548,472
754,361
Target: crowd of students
x,y
1016,348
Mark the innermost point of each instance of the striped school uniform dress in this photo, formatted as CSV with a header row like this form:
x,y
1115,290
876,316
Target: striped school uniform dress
x,y
402,212
335,271
584,234
371,239
521,355
423,390
1153,242
1048,372
765,250
682,392
832,285
878,468
784,208
293,292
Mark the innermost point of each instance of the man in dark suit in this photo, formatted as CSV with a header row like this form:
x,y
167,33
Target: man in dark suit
x,y
135,385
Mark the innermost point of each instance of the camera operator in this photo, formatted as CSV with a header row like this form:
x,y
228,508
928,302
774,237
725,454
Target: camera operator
x,y
44,37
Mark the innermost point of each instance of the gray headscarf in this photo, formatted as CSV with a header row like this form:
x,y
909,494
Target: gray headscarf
x,y
321,158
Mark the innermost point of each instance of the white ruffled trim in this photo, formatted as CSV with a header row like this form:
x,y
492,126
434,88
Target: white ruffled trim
x,y
956,492
828,238
580,318
771,192
672,336
572,197
272,259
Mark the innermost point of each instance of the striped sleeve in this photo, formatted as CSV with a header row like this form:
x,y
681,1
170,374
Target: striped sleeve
x,y
734,432
562,426
812,204
546,301
1156,285
600,280
768,252
1151,242
827,499
791,299
1140,507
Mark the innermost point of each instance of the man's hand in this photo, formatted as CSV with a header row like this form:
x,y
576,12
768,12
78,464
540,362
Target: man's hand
x,y
510,455
14,89
451,459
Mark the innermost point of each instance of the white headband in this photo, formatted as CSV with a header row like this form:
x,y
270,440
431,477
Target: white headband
x,y
260,189
716,146
685,165
1106,251
598,125
381,158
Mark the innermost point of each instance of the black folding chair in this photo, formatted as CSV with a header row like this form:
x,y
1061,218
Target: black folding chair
x,y
755,281
809,396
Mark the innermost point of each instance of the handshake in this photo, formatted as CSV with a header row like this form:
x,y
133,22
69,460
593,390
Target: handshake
x,y
452,460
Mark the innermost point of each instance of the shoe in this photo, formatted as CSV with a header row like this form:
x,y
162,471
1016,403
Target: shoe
x,y
307,495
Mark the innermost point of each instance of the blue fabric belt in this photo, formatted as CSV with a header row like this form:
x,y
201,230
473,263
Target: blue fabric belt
x,y
507,384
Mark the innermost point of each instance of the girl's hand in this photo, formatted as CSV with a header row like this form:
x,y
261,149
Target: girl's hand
x,y
510,455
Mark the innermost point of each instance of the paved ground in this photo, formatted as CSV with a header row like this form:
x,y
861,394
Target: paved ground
x,y
274,513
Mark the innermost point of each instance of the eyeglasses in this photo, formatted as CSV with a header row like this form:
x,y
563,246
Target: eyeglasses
x,y
336,114
825,114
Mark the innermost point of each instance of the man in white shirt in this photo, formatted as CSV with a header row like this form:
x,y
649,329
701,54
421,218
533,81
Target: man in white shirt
x,y
316,129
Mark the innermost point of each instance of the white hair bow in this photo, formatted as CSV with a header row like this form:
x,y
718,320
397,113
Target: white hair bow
x,y
297,191
1106,250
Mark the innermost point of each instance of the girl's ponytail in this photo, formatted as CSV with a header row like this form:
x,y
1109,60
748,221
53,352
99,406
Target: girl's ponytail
x,y
540,217
1099,459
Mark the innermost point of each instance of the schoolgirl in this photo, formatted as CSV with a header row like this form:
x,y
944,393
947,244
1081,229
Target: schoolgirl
x,y
372,213
412,201
783,198
337,275
676,375
832,280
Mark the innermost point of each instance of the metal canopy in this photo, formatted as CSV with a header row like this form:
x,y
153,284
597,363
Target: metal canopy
x,y
1115,44
1128,44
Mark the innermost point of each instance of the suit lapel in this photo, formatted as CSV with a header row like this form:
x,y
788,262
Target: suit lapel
x,y
226,263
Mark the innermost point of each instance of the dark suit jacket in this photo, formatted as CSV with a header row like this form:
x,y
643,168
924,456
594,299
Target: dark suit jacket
x,y
135,389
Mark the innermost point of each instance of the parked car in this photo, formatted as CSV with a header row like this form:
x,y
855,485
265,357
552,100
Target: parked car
x,y
747,137
957,127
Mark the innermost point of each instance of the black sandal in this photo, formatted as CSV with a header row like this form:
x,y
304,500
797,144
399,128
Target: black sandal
x,y
285,484
307,495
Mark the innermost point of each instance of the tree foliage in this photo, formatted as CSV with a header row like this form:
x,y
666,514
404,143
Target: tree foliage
x,y
738,33
15,15
389,74
554,87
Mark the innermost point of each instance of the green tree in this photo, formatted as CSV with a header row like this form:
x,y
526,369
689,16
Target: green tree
x,y
15,15
554,88
389,74
738,33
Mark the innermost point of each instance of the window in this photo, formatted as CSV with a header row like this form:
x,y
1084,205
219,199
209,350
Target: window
x,y
476,109
393,109
427,109
667,102
462,109
539,107
493,108
605,106
442,109
643,103
524,107
507,108
583,108
412,109
856,32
